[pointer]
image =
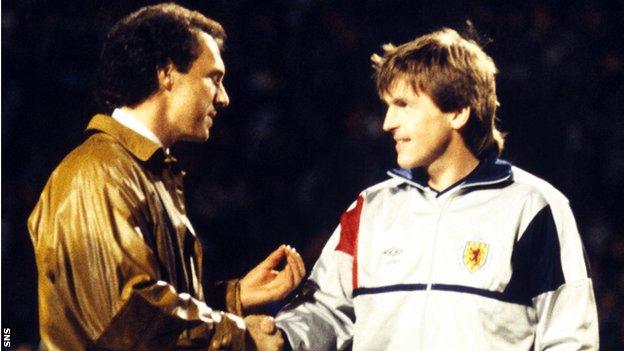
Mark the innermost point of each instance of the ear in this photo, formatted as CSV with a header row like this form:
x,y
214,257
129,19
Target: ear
x,y
165,76
460,118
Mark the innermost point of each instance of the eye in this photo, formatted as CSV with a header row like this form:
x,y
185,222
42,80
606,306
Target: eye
x,y
217,78
399,102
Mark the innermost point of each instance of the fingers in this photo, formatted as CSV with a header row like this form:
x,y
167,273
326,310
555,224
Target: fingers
x,y
254,321
267,325
264,323
297,262
275,257
295,275
294,270
283,282
300,264
263,333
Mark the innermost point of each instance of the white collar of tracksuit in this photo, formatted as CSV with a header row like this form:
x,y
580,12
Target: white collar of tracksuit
x,y
491,170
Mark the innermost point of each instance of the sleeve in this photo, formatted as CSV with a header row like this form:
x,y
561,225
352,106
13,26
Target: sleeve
x,y
551,273
322,317
230,289
90,238
567,316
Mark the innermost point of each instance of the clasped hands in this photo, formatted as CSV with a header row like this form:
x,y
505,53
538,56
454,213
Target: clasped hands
x,y
265,284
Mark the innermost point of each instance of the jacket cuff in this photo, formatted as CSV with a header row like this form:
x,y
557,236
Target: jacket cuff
x,y
233,297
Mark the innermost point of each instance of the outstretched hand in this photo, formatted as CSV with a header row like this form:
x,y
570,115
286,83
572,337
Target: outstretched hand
x,y
264,284
263,334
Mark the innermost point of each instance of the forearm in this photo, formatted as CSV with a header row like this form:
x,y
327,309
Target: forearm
x,y
166,319
567,318
309,324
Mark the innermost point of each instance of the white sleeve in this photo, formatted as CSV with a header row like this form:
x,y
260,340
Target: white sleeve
x,y
321,317
566,316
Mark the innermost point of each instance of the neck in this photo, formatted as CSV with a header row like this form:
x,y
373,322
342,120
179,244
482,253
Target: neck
x,y
151,113
456,163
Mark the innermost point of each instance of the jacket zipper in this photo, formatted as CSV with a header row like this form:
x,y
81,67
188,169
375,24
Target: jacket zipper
x,y
445,205
434,245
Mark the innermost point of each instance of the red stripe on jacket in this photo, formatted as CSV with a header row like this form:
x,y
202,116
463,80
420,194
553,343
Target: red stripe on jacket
x,y
349,230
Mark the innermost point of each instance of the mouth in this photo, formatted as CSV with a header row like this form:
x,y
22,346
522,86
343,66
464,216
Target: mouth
x,y
400,141
210,117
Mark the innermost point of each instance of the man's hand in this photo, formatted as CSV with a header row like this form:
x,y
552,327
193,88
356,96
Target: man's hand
x,y
264,335
264,284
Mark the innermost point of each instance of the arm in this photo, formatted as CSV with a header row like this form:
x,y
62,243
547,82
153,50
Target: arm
x,y
262,285
322,316
567,317
224,295
90,240
551,274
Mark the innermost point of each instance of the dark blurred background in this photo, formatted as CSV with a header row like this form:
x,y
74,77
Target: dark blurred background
x,y
303,133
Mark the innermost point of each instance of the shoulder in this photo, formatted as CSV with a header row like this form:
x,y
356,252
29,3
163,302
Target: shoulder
x,y
385,188
375,194
98,151
378,201
543,202
537,188
100,161
95,177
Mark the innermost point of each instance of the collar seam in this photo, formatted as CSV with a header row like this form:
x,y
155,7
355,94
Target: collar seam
x,y
138,145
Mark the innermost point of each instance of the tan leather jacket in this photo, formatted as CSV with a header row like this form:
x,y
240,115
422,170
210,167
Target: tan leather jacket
x,y
118,260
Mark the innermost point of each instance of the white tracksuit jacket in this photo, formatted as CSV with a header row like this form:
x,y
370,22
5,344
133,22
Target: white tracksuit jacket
x,y
493,263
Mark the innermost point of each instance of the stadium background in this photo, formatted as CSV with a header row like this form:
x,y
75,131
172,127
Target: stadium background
x,y
303,133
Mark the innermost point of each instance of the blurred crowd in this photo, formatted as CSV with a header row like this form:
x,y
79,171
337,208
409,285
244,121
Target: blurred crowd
x,y
303,133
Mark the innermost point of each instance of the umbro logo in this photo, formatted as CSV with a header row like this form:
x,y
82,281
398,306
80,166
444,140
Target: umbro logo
x,y
393,251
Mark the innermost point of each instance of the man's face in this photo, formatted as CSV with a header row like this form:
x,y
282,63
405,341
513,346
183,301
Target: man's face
x,y
197,94
420,130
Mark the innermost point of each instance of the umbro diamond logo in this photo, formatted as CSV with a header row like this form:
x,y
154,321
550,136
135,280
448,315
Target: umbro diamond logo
x,y
393,251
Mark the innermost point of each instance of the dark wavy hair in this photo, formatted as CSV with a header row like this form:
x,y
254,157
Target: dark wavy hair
x,y
456,73
144,41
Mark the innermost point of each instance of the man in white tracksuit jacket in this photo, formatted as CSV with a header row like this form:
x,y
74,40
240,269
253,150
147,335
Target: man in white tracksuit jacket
x,y
458,250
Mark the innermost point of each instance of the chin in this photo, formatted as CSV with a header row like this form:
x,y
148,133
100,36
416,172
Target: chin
x,y
197,138
408,164
203,135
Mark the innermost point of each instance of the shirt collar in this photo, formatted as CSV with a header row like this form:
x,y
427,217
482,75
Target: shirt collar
x,y
491,170
129,120
139,145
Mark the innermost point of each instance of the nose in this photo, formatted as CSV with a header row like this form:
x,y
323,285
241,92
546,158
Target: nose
x,y
221,98
390,121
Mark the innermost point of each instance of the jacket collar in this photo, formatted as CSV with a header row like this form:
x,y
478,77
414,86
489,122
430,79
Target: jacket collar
x,y
141,147
491,170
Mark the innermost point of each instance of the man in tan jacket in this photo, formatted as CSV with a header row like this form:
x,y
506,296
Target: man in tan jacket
x,y
119,262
